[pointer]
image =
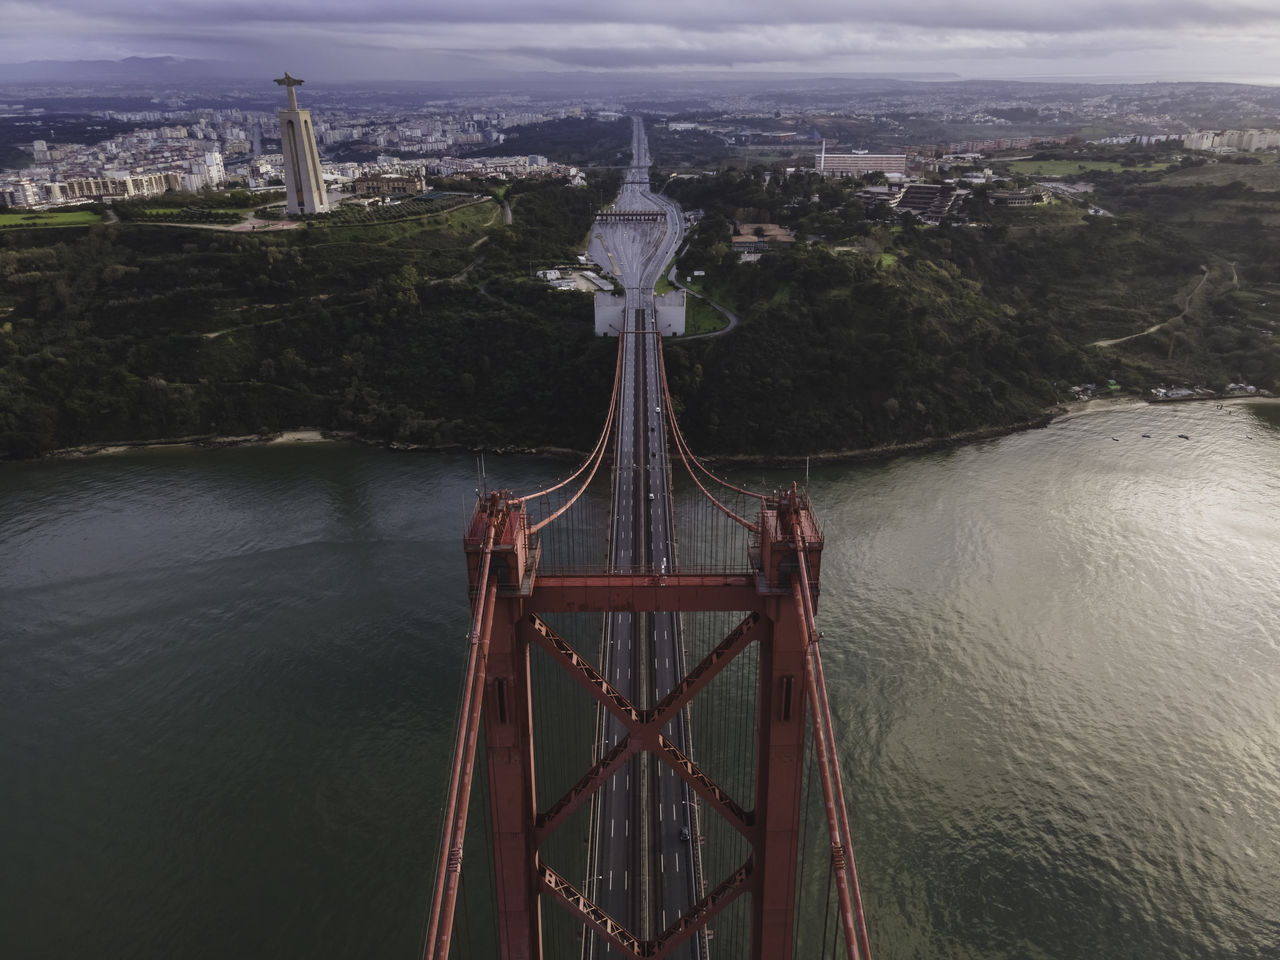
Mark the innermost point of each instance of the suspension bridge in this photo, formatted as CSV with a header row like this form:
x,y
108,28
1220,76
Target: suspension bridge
x,y
618,613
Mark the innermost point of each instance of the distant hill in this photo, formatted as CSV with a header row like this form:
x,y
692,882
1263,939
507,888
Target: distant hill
x,y
129,70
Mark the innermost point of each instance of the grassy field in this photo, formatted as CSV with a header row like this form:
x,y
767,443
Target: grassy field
x,y
1259,176
1063,168
1056,213
437,246
702,317
49,218
663,285
699,315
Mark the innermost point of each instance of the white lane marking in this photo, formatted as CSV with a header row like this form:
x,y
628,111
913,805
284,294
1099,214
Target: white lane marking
x,y
611,882
611,824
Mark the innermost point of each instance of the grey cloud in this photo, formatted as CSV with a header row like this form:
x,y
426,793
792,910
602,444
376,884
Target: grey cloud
x,y
418,36
711,16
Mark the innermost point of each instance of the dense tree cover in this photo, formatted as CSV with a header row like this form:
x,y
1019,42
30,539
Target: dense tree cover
x,y
1229,215
806,202
688,148
907,331
837,352
576,140
429,330
121,332
549,223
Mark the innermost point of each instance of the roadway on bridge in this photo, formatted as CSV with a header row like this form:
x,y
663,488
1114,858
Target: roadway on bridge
x,y
643,863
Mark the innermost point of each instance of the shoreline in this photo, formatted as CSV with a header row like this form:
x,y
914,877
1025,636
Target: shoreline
x,y
300,435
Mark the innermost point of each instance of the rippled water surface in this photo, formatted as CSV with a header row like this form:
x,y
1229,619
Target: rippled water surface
x,y
227,684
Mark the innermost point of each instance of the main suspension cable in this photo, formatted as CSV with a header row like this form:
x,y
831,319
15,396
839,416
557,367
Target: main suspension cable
x,y
847,887
675,429
600,442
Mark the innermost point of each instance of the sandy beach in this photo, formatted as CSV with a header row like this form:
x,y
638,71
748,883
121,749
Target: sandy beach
x,y
1070,409
300,435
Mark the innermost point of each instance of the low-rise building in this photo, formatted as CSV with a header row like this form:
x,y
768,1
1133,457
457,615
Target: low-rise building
x,y
1016,198
759,237
389,185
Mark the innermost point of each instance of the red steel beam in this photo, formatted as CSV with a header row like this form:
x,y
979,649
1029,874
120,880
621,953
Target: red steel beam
x,y
577,903
633,593
701,675
645,727
705,787
591,781
695,919
704,911
582,671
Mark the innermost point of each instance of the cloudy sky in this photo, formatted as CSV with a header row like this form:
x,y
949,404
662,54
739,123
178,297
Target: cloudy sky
x,y
434,39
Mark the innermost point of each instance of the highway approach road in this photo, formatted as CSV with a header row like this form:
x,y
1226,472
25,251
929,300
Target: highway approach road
x,y
643,863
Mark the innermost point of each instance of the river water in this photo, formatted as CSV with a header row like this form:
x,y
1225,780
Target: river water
x,y
228,681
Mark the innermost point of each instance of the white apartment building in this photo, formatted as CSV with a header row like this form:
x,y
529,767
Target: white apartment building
x,y
857,164
112,185
1246,141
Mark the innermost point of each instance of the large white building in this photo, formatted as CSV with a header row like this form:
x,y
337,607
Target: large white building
x,y
1246,141
856,164
304,187
113,184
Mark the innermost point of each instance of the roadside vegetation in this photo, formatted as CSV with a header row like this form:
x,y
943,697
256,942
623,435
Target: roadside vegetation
x,y
702,317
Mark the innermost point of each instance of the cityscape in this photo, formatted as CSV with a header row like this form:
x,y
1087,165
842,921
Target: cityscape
x,y
191,148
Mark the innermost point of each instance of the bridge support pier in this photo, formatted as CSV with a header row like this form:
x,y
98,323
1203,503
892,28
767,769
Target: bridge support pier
x,y
779,590
508,732
780,741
